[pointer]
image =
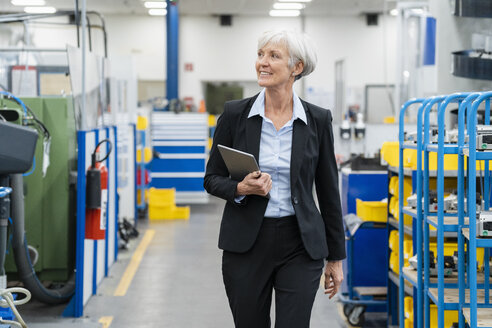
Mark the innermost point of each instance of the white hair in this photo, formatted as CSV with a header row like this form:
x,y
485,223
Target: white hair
x,y
300,48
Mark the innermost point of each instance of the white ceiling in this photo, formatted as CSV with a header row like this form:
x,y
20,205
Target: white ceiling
x,y
217,7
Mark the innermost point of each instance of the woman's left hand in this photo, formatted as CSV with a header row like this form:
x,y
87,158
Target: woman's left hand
x,y
333,277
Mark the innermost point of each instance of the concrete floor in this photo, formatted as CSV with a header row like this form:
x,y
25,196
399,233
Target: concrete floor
x,y
178,284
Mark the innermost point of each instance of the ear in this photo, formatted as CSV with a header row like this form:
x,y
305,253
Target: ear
x,y
298,68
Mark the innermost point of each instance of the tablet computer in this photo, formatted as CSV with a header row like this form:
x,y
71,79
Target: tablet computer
x,y
239,163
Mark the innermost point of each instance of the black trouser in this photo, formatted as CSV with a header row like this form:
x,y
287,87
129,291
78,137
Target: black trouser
x,y
277,260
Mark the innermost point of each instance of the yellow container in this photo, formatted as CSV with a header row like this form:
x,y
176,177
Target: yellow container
x,y
393,185
449,317
389,120
408,308
162,197
142,123
390,153
372,211
394,262
408,323
147,155
392,206
407,249
169,212
393,241
212,120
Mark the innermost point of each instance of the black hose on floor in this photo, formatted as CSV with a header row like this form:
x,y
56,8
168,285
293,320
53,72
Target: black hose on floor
x,y
25,268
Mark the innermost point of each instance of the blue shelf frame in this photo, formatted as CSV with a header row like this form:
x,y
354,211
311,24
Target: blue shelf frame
x,y
467,102
473,242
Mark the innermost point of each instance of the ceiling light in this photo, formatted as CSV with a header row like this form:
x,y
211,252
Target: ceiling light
x,y
40,10
157,12
28,2
285,13
155,4
418,11
394,12
291,5
294,0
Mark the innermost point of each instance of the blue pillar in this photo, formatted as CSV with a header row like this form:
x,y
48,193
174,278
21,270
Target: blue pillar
x,y
172,29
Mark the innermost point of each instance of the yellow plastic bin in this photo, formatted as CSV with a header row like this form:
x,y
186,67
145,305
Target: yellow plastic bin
x,y
372,211
394,262
408,323
408,306
169,212
393,241
450,317
162,197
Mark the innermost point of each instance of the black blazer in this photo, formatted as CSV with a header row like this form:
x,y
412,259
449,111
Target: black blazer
x,y
312,159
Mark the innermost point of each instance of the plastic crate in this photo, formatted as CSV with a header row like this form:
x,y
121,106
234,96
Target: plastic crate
x,y
394,262
162,197
408,307
372,211
407,249
450,317
142,123
169,212
408,323
393,241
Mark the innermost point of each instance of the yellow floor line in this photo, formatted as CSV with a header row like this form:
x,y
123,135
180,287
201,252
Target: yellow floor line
x,y
134,263
106,321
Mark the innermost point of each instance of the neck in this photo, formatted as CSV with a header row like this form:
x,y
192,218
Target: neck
x,y
279,100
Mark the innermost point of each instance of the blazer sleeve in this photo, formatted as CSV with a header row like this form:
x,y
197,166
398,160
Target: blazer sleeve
x,y
217,181
328,193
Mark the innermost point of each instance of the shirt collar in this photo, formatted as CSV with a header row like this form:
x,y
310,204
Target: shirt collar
x,y
258,107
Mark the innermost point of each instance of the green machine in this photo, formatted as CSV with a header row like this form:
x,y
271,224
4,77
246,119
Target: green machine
x,y
50,200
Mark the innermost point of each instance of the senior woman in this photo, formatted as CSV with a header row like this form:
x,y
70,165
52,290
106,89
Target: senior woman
x,y
272,234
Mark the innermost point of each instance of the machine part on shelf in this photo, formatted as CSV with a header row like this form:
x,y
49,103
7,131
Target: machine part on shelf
x,y
484,137
412,201
453,136
434,134
25,268
449,264
484,224
451,202
410,136
345,131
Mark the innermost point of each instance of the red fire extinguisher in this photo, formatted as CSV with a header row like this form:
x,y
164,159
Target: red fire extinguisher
x,y
97,196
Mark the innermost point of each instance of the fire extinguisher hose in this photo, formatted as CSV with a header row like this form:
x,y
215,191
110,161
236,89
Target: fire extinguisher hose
x,y
23,262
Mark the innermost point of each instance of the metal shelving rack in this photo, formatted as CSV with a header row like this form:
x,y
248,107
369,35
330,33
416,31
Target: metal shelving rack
x,y
478,312
443,294
417,283
447,293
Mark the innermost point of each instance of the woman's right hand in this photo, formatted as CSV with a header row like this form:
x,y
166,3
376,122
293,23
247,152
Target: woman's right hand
x,y
255,183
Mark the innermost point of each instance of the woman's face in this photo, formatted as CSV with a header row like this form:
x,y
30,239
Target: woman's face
x,y
272,66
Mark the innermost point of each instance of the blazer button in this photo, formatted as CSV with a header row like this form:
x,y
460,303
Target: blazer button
x,y
294,199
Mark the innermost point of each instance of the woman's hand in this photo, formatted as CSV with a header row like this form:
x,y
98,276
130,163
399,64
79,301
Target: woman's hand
x,y
333,277
255,183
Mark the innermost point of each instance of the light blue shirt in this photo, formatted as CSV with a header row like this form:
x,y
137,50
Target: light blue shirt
x,y
275,153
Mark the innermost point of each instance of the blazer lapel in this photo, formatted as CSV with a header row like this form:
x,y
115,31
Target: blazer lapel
x,y
299,139
253,136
